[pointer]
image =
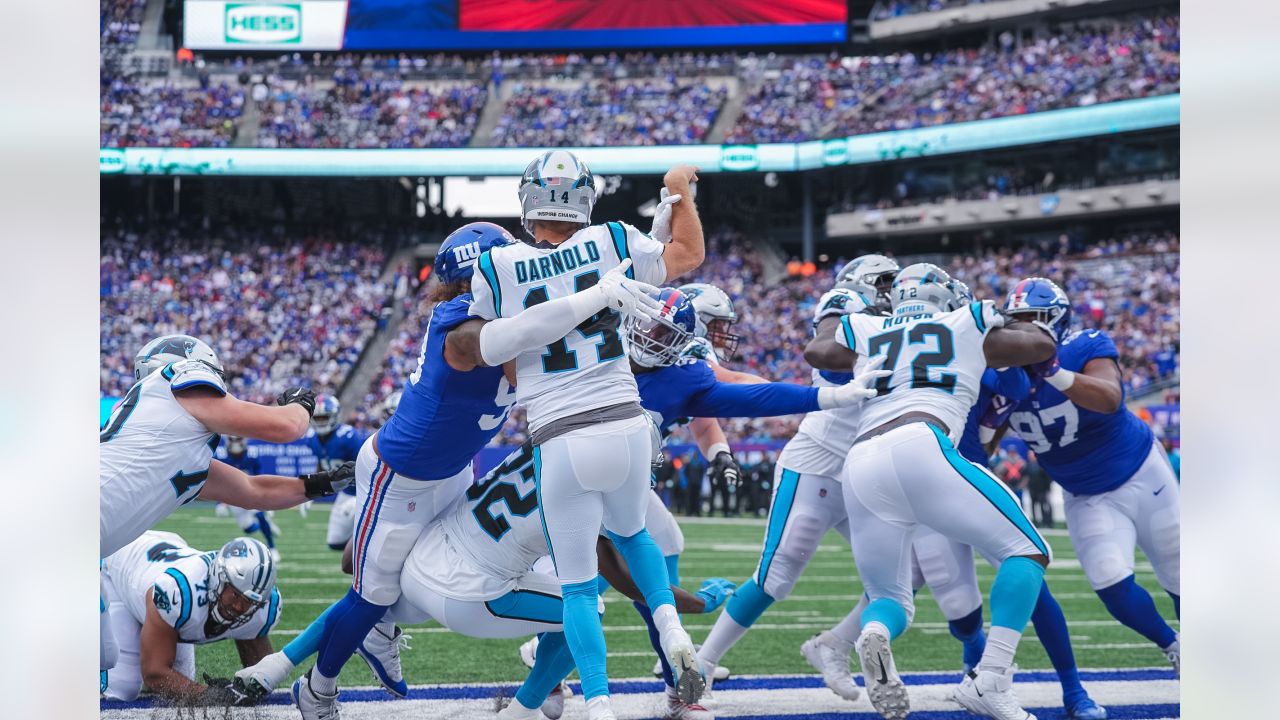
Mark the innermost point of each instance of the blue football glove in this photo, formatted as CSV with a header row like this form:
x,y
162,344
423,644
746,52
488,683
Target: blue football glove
x,y
714,592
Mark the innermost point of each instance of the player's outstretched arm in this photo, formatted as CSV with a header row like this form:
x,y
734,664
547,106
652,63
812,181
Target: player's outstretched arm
x,y
157,650
1018,343
489,343
687,248
614,569
227,415
824,352
272,492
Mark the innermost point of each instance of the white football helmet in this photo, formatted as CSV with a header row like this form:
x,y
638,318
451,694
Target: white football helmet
x,y
923,287
390,404
556,186
870,276
715,315
963,297
240,581
170,349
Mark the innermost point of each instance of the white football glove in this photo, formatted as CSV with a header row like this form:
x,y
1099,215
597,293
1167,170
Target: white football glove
x,y
856,390
838,301
629,297
661,229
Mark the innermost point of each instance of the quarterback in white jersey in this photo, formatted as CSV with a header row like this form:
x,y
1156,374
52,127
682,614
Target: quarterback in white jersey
x,y
591,437
904,470
167,597
156,450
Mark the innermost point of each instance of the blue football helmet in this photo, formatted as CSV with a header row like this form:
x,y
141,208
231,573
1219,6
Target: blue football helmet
x,y
325,418
659,342
1042,302
458,253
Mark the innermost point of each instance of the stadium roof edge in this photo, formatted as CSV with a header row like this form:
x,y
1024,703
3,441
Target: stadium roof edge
x,y
1030,129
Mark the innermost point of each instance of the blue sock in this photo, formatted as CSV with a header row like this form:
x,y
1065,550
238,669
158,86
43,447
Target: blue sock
x,y
253,528
308,643
553,664
654,640
1051,628
585,636
673,568
748,603
348,621
968,630
1177,604
888,613
648,569
1133,606
265,526
1014,593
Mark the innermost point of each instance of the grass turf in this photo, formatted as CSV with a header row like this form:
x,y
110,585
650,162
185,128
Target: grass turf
x,y
310,579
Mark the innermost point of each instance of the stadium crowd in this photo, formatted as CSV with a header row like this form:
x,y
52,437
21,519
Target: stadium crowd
x,y
120,21
898,8
280,309
137,113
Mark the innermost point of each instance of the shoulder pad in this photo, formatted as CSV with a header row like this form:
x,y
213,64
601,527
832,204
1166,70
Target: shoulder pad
x,y
172,596
838,301
192,373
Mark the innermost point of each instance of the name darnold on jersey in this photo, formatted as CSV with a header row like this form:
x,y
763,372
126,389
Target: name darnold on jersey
x,y
587,369
937,361
154,456
163,567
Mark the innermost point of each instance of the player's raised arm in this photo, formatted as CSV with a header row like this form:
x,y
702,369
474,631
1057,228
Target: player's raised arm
x,y
272,492
687,248
226,415
1018,343
1095,388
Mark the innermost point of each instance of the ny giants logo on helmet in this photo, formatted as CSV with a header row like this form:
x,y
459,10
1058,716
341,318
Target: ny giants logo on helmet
x,y
467,254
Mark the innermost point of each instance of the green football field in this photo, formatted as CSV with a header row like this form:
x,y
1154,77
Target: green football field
x,y
310,579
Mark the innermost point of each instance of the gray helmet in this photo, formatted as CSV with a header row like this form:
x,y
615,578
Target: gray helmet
x,y
870,276
390,404
923,284
556,186
245,565
963,297
715,316
170,349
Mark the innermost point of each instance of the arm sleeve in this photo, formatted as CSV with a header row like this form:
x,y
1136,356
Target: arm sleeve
x,y
755,400
193,373
647,264
486,291
544,323
1012,383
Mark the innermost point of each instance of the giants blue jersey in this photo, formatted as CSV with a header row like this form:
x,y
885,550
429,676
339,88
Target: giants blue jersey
x,y
1011,383
1084,451
337,447
689,389
245,463
445,416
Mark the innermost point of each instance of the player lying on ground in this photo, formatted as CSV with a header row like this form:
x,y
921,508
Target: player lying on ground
x,y
454,402
156,450
167,598
1119,488
904,470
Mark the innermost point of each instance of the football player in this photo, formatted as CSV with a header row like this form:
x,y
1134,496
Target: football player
x,y
167,598
454,402
904,470
334,443
1119,487
156,450
591,436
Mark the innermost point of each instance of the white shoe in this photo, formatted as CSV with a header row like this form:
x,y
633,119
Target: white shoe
x,y
381,652
275,554
221,510
708,699
599,708
313,705
553,706
529,652
260,679
515,711
990,694
880,675
719,673
1174,653
829,656
677,709
690,682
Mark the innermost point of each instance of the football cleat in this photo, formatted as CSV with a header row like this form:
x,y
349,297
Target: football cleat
x,y
382,654
677,709
880,675
553,706
830,657
529,652
1086,709
515,711
719,673
257,681
708,698
313,705
1174,653
690,683
990,694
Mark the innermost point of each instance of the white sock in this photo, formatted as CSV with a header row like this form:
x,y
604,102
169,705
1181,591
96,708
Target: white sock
x,y
322,685
876,627
277,666
1002,643
599,708
848,629
724,635
667,620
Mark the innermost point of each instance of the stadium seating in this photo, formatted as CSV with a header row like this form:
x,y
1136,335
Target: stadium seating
x,y
121,21
134,112
898,8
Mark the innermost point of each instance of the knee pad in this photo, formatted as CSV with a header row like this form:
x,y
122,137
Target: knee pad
x,y
791,555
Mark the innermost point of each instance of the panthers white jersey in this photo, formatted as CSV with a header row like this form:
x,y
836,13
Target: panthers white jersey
x,y
588,368
823,439
153,455
487,539
937,361
162,567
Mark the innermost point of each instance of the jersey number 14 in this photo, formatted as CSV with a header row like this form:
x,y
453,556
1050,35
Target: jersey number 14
x,y
558,357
